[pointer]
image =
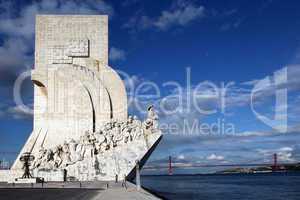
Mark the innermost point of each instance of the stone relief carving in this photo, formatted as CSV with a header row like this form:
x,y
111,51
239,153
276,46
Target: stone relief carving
x,y
78,48
63,54
60,55
94,145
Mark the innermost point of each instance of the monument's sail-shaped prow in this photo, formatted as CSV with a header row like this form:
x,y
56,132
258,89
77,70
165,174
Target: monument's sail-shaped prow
x,y
80,104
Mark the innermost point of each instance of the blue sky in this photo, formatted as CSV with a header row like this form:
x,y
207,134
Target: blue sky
x,y
238,42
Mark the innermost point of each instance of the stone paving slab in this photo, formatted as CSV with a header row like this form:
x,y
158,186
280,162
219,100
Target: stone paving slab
x,y
72,190
131,193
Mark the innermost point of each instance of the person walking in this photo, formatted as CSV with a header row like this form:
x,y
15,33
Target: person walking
x,y
124,184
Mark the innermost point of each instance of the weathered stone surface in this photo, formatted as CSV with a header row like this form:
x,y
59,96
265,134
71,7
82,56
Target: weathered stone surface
x,y
9,175
81,124
26,180
57,175
70,95
102,155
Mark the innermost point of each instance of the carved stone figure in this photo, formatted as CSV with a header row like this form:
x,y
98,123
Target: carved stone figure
x,y
66,155
116,135
56,157
137,130
86,138
92,138
47,160
126,133
152,119
39,158
100,142
74,155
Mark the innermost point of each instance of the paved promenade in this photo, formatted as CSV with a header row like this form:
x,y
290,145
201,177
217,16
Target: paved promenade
x,y
74,191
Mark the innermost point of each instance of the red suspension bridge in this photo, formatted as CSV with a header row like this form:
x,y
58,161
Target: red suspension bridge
x,y
274,165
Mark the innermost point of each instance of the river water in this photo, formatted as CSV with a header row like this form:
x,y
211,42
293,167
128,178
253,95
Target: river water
x,y
270,186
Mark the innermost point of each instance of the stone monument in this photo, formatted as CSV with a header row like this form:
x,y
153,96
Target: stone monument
x,y
81,129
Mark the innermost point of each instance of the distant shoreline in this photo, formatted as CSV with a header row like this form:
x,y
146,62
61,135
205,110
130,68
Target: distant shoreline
x,y
221,174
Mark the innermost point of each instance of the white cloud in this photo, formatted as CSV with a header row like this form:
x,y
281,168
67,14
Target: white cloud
x,y
16,52
181,16
285,157
250,83
181,13
184,103
215,157
230,12
127,3
181,157
254,133
284,154
284,149
116,54
240,94
1,113
292,79
13,56
132,81
230,25
18,113
23,25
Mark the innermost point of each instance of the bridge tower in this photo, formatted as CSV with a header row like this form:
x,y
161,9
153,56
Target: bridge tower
x,y
170,170
275,164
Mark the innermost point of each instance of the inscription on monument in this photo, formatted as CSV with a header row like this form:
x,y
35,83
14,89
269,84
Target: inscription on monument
x,y
60,55
78,48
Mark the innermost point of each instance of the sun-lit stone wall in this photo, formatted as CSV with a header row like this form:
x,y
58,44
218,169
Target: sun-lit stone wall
x,y
74,89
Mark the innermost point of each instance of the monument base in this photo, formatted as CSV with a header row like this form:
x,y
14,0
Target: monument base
x,y
8,176
26,180
55,175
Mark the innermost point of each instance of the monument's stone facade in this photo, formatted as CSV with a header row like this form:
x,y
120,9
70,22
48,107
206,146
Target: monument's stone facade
x,y
81,125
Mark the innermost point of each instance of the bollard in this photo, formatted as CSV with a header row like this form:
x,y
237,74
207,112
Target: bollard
x,y
116,178
138,176
80,184
124,184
